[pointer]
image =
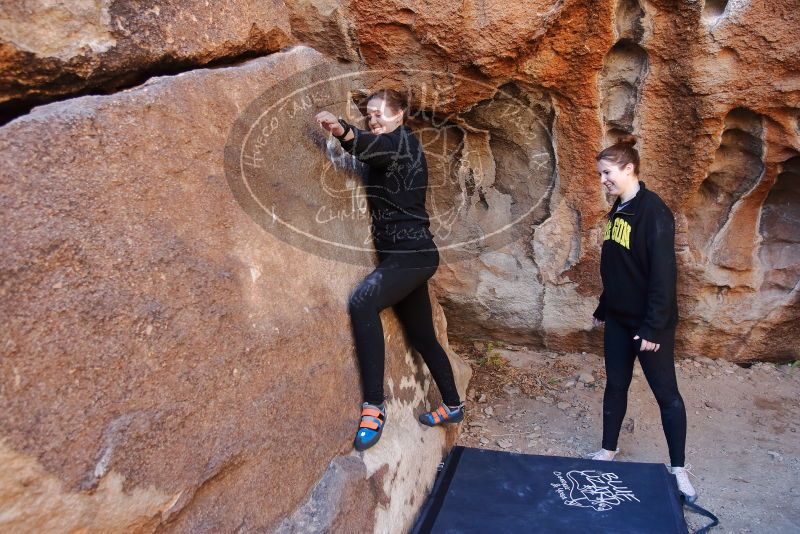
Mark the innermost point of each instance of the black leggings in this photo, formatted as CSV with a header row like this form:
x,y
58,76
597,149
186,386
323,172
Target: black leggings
x,y
401,281
659,369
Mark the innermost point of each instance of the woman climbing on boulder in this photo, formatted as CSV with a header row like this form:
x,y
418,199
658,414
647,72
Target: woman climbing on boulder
x,y
396,183
638,305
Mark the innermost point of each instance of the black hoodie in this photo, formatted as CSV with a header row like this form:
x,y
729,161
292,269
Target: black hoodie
x,y
396,183
638,267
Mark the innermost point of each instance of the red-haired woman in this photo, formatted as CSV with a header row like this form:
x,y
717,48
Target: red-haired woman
x,y
639,304
396,184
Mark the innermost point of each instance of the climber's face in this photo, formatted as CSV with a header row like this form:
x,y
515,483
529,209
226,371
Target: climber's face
x,y
615,179
382,118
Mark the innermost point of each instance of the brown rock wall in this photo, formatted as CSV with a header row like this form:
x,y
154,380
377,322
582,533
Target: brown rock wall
x,y
154,332
169,365
51,48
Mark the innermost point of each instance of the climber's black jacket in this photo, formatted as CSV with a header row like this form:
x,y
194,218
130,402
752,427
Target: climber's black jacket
x,y
638,267
396,183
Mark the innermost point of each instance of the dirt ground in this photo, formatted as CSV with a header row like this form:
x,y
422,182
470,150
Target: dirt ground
x,y
742,438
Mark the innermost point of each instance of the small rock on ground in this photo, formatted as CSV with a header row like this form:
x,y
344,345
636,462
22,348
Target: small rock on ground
x,y
586,378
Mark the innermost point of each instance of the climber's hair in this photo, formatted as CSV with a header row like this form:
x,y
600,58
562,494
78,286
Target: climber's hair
x,y
395,99
621,153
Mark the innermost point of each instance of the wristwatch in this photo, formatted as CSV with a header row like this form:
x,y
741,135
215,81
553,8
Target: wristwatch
x,y
346,127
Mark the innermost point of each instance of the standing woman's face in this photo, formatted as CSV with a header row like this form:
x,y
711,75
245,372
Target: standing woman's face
x,y
382,118
617,180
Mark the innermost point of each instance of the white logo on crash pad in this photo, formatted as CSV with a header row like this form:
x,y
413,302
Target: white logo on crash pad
x,y
592,489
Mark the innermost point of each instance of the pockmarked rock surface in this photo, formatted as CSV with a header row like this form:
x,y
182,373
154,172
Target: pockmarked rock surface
x,y
709,88
168,365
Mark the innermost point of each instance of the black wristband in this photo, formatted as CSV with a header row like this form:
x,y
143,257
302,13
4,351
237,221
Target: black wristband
x,y
346,127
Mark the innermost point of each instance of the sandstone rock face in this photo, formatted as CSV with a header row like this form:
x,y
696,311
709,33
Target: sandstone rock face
x,y
169,365
710,89
50,48
163,333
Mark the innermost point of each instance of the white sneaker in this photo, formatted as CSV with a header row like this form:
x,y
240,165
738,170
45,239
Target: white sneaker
x,y
603,454
684,486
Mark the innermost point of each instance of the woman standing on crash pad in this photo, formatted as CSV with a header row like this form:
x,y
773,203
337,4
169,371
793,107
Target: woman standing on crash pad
x,y
638,305
396,183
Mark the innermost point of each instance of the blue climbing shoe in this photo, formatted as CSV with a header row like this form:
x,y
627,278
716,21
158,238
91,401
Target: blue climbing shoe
x,y
369,429
443,414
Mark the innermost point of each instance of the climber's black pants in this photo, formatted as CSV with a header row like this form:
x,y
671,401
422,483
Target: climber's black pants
x,y
659,368
401,281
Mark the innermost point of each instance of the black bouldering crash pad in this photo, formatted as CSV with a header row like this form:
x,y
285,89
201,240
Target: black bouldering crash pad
x,y
485,491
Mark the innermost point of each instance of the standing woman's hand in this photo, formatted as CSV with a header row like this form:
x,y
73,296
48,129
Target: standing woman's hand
x,y
329,122
648,345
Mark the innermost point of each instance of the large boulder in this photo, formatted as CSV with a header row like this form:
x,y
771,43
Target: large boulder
x,y
50,48
172,362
